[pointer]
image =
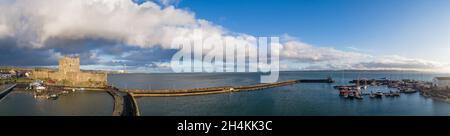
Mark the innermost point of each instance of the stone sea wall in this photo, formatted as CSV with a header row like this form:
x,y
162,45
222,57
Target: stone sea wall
x,y
438,94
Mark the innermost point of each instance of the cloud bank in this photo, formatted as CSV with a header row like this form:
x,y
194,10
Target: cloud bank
x,y
105,32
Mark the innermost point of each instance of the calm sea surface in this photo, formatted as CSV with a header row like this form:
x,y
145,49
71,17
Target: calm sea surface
x,y
83,103
299,99
293,100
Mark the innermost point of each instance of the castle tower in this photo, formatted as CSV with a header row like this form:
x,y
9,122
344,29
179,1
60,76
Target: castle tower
x,y
69,64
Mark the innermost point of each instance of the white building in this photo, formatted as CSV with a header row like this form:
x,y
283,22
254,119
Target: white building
x,y
441,82
5,75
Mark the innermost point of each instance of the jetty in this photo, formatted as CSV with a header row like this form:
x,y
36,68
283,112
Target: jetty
x,y
328,80
124,103
222,89
6,89
208,90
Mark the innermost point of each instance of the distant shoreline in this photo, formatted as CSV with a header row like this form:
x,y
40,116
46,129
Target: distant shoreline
x,y
406,71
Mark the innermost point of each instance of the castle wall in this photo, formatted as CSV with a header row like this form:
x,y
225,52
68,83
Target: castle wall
x,y
69,74
40,74
69,64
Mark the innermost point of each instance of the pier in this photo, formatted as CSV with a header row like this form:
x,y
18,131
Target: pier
x,y
208,90
124,103
132,106
217,90
127,105
6,89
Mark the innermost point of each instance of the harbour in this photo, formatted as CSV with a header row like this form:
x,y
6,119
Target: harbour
x,y
21,102
295,99
290,92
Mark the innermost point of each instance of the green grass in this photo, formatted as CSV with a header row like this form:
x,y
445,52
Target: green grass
x,y
16,80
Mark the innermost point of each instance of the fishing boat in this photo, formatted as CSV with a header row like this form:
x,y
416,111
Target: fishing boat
x,y
40,88
343,90
346,95
372,95
358,97
53,97
376,95
387,94
351,95
379,94
409,90
365,87
396,94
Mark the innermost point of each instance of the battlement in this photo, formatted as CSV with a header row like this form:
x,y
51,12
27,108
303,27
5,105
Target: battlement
x,y
69,64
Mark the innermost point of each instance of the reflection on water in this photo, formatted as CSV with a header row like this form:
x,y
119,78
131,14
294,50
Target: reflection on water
x,y
299,99
85,103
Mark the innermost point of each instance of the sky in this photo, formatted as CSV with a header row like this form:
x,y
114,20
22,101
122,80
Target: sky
x,y
403,27
316,34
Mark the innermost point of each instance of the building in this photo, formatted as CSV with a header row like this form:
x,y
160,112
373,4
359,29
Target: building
x,y
69,74
441,82
5,75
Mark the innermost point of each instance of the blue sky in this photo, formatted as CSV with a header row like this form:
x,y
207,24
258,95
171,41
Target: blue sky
x,y
324,34
403,27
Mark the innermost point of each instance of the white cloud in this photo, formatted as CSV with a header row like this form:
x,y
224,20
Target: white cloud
x,y
3,30
303,52
143,25
169,2
395,62
33,23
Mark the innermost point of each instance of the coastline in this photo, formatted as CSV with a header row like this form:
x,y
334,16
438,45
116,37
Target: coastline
x,y
436,94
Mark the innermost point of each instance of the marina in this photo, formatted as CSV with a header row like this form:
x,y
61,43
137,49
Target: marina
x,y
134,102
294,99
393,88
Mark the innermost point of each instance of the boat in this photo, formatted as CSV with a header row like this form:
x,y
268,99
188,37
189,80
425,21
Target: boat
x,y
365,84
372,95
387,94
343,90
53,96
376,95
351,95
40,97
396,94
358,97
409,90
39,88
345,95
392,94
365,87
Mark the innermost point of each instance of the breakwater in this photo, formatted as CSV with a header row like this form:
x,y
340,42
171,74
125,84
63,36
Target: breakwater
x,y
217,90
124,103
6,90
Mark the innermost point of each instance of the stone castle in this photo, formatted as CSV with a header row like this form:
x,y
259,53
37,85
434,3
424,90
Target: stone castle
x,y
69,74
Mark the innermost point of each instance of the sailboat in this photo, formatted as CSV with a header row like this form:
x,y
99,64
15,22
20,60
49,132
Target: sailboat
x,y
365,84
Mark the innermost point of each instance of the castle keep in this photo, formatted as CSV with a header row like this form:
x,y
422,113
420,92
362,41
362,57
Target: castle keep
x,y
69,74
